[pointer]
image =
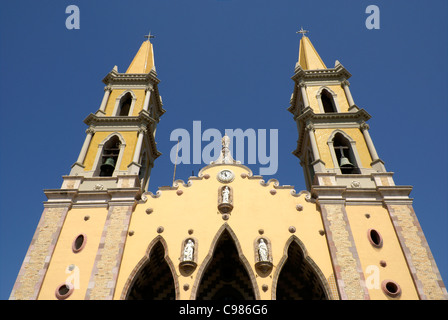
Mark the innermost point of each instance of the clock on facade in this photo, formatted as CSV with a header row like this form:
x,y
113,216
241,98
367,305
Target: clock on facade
x,y
225,176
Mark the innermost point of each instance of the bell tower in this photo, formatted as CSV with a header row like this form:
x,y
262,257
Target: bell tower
x,y
354,192
120,140
334,141
98,196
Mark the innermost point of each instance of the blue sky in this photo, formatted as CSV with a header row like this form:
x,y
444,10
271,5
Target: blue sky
x,y
228,64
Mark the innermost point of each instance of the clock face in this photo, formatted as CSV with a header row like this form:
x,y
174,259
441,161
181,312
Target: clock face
x,y
225,176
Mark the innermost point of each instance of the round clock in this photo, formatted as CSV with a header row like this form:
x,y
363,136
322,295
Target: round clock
x,y
225,176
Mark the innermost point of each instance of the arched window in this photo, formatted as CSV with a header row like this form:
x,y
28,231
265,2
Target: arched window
x,y
344,155
125,105
327,102
109,156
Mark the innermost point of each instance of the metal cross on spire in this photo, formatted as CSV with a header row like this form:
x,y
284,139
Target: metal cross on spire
x,y
303,32
149,36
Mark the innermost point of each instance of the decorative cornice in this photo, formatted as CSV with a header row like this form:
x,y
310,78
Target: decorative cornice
x,y
142,118
337,73
358,116
115,77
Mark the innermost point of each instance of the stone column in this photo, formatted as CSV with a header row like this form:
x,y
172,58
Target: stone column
x,y
147,97
306,103
377,163
318,164
78,165
134,167
107,91
346,85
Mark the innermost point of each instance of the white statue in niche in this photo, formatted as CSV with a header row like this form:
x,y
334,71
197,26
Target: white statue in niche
x,y
263,253
188,250
226,195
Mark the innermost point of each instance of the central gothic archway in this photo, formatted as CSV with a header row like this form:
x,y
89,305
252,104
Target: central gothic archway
x,y
225,276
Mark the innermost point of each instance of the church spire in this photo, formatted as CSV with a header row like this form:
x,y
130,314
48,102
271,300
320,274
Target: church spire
x,y
309,59
143,61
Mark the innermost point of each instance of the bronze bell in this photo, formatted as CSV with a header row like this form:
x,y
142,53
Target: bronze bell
x,y
344,162
109,165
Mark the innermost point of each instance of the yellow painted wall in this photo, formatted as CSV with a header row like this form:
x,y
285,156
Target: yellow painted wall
x,y
63,256
322,136
130,138
196,209
337,89
139,93
396,267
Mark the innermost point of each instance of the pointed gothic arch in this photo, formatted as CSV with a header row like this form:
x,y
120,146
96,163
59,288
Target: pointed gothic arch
x,y
327,100
124,104
337,139
297,276
225,273
154,277
100,157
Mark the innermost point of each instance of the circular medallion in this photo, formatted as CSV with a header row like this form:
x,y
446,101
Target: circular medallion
x,y
226,176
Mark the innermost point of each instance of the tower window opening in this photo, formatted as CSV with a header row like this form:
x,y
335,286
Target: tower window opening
x,y
344,154
125,105
109,157
327,102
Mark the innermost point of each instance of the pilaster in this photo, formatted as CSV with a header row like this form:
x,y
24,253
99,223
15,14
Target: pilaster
x,y
424,271
110,251
346,264
37,259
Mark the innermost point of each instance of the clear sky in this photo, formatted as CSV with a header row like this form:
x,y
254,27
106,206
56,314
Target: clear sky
x,y
228,64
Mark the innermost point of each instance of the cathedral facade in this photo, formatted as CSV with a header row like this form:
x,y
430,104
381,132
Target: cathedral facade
x,y
227,233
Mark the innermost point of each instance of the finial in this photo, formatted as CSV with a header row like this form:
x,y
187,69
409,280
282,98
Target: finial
x,y
225,156
149,36
303,32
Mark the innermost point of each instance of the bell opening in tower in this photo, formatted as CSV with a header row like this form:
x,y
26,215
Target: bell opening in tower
x,y
344,154
109,157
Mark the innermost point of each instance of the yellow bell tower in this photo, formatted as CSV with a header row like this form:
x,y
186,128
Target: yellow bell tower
x,y
111,172
120,140
356,195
